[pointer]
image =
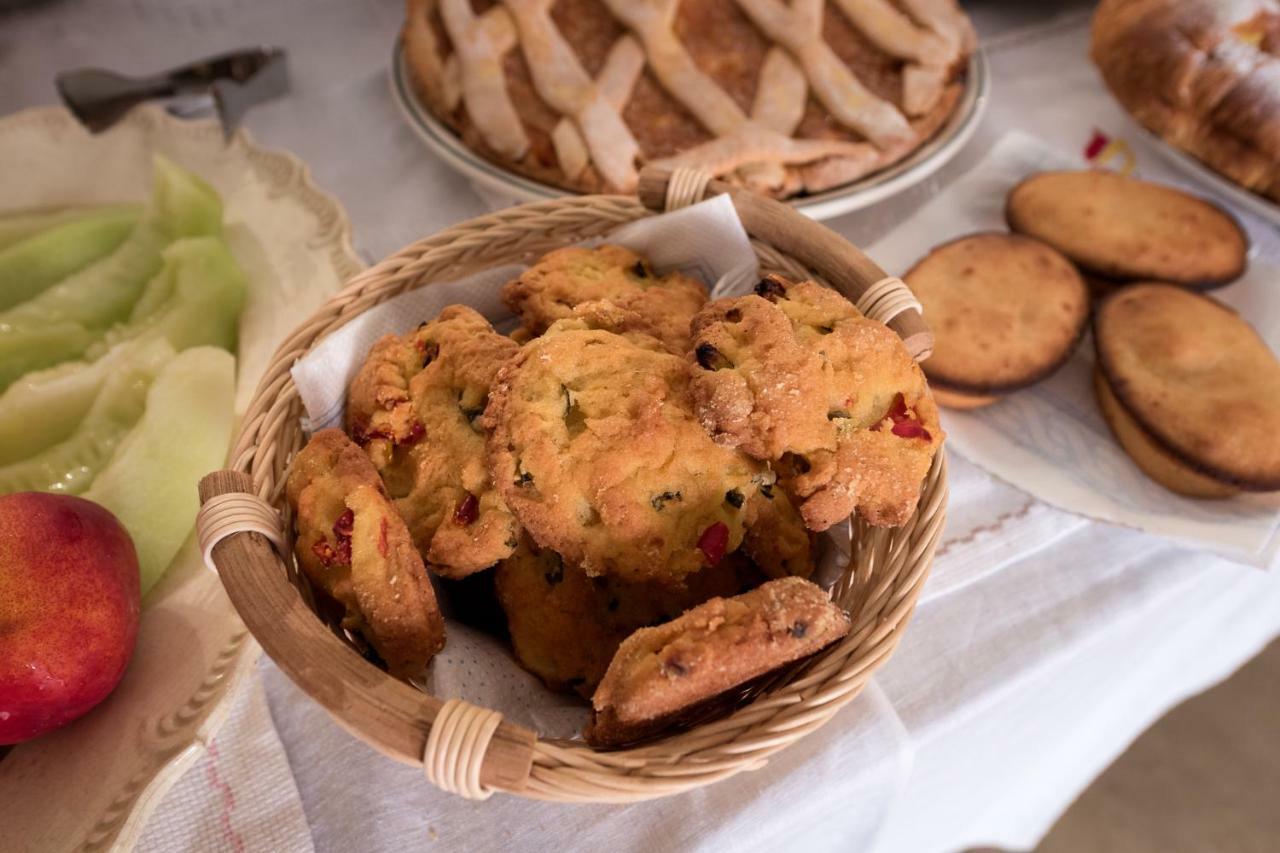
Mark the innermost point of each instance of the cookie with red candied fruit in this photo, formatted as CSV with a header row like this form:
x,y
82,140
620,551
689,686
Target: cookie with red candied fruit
x,y
354,548
796,376
595,448
415,406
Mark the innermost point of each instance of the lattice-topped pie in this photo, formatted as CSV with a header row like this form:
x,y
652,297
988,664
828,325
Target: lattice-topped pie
x,y
784,97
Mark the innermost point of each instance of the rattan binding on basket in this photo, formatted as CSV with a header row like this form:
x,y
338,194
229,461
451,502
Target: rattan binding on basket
x,y
470,750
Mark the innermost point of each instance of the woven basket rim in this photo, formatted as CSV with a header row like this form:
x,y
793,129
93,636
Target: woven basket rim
x,y
879,587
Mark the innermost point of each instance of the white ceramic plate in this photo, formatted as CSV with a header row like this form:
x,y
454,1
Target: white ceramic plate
x,y
1184,162
508,187
91,785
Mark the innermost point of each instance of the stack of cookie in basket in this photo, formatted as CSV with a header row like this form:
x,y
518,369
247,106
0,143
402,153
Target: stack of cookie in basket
x,y
641,473
1188,388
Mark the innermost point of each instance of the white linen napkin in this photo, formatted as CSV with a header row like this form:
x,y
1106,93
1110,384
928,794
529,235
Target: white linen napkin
x,y
1050,439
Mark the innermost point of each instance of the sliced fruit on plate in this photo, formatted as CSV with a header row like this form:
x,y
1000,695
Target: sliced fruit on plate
x,y
31,266
194,301
150,483
104,293
71,465
44,408
16,227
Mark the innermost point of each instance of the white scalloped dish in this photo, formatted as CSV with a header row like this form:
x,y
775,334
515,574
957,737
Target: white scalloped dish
x,y
92,784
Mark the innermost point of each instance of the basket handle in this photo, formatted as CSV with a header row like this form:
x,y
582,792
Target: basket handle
x,y
851,272
390,715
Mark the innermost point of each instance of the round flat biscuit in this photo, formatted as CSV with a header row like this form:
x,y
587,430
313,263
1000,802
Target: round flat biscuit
x,y
1123,228
832,400
562,280
596,449
1006,311
1156,462
1197,379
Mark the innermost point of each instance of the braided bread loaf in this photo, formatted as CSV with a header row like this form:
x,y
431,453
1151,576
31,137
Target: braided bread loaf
x,y
1204,75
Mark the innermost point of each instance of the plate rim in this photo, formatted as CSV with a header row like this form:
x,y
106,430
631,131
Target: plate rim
x,y
920,164
194,724
1194,168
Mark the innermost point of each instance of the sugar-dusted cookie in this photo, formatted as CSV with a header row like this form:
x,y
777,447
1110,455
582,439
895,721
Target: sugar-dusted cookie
x,y
566,625
595,448
776,538
796,376
1190,390
1006,312
1118,227
564,279
415,406
664,674
354,547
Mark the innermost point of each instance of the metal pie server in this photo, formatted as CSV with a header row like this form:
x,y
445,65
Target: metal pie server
x,y
228,84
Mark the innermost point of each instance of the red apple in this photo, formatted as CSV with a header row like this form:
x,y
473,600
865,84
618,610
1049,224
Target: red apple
x,y
68,610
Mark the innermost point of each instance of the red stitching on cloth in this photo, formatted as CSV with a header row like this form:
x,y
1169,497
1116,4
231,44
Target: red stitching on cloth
x,y
228,800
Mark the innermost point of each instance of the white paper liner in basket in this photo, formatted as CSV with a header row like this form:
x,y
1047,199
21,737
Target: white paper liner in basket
x,y
706,241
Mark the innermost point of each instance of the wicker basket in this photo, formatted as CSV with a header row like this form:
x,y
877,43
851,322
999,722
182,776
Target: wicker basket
x,y
471,750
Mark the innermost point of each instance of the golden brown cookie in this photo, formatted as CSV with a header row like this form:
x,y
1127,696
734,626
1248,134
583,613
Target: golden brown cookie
x,y
776,538
1006,312
566,625
663,674
354,547
596,449
1188,377
796,376
566,278
1122,228
415,406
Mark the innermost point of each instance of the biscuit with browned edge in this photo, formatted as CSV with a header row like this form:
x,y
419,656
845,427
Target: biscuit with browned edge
x,y
1119,227
354,547
1006,311
1190,389
663,675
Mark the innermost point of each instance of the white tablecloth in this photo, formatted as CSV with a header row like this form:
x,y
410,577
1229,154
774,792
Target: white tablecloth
x,y
1043,645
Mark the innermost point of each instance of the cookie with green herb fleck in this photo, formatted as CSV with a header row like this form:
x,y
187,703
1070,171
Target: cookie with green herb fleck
x,y
566,278
796,376
595,448
565,625
415,407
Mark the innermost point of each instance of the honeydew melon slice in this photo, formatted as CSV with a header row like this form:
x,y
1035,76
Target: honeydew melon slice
x,y
44,408
194,301
104,293
16,227
150,482
71,465
31,266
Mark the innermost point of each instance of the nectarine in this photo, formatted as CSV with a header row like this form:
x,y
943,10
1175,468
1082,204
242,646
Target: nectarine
x,y
68,610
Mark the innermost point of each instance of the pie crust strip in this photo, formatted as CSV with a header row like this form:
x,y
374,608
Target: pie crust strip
x,y
617,78
567,88
844,96
484,84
